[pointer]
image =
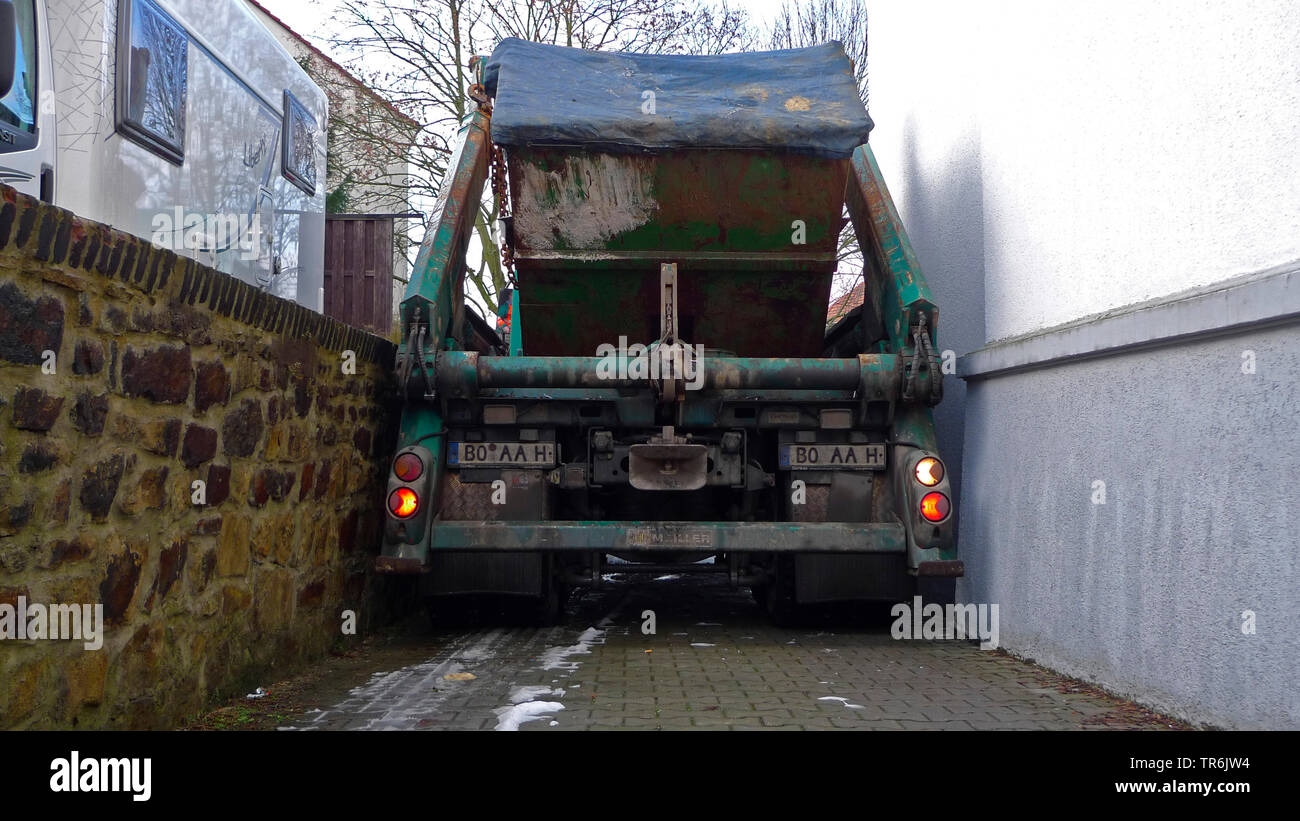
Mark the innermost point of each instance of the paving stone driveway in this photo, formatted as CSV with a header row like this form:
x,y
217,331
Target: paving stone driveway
x,y
714,663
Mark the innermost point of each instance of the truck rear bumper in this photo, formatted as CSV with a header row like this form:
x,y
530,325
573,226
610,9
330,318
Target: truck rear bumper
x,y
702,537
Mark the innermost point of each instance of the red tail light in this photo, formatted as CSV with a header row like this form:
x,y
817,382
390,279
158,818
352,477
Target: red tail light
x,y
403,503
408,467
935,507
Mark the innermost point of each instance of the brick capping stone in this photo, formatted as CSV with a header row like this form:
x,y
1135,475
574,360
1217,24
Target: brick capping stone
x,y
66,239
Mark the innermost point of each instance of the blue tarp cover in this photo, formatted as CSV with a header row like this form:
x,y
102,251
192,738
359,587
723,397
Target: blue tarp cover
x,y
802,100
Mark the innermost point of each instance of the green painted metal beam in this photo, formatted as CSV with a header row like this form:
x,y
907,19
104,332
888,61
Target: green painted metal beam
x,y
462,374
435,280
897,288
517,325
712,397
702,537
435,283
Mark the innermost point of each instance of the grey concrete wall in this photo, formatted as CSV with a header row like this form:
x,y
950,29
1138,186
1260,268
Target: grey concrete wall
x,y
1056,162
943,216
1144,594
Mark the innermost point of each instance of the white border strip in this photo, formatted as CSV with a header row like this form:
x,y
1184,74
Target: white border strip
x,y
1254,301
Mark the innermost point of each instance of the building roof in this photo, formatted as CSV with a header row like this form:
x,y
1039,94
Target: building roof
x,y
330,61
844,304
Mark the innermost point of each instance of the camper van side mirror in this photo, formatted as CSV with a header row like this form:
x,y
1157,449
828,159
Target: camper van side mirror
x,y
8,46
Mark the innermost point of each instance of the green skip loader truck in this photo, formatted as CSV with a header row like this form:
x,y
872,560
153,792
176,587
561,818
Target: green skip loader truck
x,y
659,386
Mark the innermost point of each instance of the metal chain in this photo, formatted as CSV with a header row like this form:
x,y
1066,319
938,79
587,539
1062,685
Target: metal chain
x,y
503,210
923,349
932,358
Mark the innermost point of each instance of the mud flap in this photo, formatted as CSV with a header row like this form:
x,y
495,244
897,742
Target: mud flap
x,y
938,590
520,574
848,497
863,577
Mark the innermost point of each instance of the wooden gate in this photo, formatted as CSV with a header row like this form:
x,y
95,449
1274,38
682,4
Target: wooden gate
x,y
359,270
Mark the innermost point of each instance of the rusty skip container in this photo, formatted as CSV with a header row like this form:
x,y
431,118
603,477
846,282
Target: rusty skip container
x,y
733,168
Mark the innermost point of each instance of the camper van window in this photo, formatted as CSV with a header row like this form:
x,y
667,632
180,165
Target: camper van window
x,y
18,106
299,161
152,58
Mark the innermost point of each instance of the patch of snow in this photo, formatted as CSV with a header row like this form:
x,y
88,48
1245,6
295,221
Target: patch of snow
x,y
509,718
531,693
557,657
843,701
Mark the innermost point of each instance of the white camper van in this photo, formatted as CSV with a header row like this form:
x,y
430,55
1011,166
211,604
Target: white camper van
x,y
183,122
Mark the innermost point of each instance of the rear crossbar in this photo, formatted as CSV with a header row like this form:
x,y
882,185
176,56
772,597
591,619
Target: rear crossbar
x,y
700,537
464,374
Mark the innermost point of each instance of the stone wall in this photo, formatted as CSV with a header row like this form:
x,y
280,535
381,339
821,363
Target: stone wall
x,y
127,374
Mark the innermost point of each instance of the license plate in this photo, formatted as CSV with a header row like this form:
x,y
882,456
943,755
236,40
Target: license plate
x,y
501,454
833,457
